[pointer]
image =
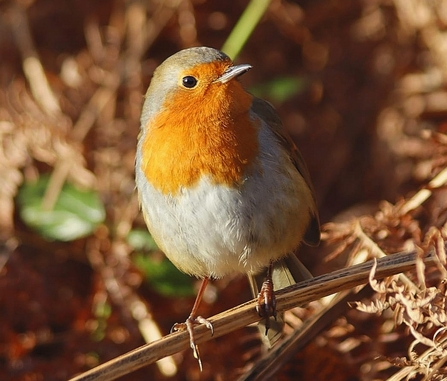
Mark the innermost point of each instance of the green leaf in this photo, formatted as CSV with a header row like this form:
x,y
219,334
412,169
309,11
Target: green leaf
x,y
76,213
164,277
102,311
160,273
141,240
279,89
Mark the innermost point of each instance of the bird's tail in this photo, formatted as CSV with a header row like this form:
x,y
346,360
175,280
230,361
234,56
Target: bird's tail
x,y
286,272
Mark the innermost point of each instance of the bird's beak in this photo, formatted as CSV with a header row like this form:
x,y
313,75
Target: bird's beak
x,y
233,72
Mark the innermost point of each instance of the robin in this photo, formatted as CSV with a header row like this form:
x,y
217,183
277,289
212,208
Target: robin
x,y
222,187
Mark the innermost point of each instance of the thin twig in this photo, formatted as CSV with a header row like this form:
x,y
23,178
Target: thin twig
x,y
273,361
420,197
32,67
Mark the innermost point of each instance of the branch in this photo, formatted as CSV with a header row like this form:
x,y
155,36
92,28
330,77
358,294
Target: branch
x,y
245,314
273,361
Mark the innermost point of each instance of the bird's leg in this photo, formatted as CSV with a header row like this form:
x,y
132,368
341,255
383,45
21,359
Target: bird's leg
x,y
266,305
195,319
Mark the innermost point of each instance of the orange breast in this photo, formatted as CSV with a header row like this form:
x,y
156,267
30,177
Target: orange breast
x,y
200,134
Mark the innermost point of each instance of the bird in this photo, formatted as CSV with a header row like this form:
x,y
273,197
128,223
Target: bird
x,y
222,187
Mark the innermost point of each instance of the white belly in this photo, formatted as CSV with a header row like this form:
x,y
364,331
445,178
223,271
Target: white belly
x,y
212,230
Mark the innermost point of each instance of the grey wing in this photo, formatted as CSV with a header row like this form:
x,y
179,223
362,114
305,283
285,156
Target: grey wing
x,y
266,111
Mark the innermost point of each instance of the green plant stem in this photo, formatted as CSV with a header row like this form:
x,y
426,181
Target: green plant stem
x,y
244,27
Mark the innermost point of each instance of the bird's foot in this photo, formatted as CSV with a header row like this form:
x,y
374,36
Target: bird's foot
x,y
266,305
188,325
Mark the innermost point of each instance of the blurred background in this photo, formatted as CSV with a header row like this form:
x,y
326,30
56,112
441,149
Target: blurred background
x,y
359,84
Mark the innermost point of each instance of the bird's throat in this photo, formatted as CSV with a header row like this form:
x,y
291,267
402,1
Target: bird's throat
x,y
218,139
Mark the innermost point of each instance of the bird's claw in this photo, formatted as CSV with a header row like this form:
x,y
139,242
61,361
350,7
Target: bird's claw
x,y
266,304
188,325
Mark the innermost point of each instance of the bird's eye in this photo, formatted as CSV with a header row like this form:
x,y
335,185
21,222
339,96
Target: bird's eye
x,y
189,81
